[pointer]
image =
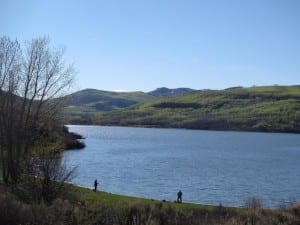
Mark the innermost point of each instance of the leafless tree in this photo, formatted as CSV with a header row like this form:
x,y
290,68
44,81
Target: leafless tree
x,y
46,173
33,82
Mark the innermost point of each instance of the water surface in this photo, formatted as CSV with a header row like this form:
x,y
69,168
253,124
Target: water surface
x,y
208,166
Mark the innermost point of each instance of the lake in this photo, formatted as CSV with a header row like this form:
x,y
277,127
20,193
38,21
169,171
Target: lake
x,y
210,167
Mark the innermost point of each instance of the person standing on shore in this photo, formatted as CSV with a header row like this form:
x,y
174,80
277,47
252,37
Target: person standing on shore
x,y
179,196
95,185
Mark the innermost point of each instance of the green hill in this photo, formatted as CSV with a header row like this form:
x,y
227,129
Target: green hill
x,y
83,104
269,108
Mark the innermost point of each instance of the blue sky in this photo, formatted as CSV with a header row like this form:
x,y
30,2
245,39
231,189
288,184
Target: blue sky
x,y
145,44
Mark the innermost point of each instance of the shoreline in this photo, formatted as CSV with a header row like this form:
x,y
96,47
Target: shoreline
x,y
135,198
185,128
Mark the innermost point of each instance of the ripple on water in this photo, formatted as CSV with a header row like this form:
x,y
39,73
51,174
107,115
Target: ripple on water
x,y
208,166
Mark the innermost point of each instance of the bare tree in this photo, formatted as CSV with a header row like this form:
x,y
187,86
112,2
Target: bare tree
x,y
46,173
33,83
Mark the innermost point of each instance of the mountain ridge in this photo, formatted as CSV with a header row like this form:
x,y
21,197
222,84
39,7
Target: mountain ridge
x,y
164,91
90,95
84,103
258,108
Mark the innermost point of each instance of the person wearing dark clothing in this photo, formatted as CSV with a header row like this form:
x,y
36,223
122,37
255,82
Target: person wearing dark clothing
x,y
95,185
179,196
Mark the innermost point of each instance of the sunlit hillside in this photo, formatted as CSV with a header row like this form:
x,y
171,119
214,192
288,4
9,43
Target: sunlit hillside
x,y
269,108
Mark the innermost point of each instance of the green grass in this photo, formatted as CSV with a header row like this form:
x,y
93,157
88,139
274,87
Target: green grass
x,y
107,198
114,199
105,208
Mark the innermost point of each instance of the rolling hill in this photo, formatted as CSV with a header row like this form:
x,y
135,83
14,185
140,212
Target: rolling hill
x,y
83,104
269,108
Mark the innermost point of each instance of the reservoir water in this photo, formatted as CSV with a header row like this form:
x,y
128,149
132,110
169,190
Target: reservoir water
x,y
210,167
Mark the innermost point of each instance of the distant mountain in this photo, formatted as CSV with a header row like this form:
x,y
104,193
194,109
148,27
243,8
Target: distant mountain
x,y
163,91
106,100
266,108
83,104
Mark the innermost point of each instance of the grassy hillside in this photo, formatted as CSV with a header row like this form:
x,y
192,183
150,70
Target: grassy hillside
x,y
83,104
85,207
269,108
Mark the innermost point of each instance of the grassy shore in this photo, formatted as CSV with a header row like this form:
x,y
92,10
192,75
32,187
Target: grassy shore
x,y
114,199
79,205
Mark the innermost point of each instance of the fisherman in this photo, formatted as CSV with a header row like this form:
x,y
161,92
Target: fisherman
x,y
95,185
179,196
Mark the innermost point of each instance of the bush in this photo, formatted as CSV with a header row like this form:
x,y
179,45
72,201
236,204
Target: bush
x,y
75,212
14,212
253,203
